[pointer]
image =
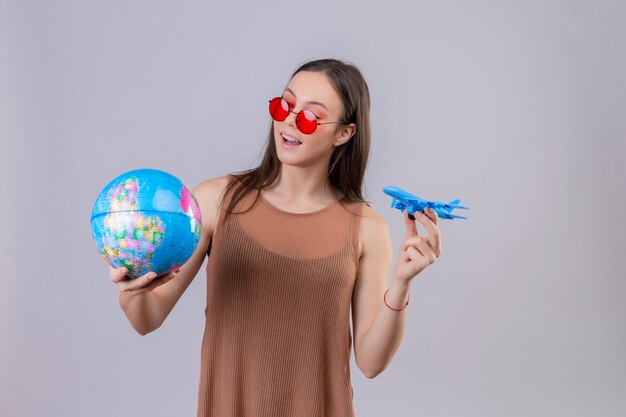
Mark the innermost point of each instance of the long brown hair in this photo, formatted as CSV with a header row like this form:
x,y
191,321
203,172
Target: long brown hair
x,y
348,161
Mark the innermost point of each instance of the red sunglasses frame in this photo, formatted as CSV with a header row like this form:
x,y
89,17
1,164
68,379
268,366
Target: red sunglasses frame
x,y
306,121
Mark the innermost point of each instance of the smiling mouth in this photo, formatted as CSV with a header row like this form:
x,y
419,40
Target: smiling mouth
x,y
288,139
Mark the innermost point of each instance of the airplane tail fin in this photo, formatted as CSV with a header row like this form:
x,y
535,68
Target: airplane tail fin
x,y
456,205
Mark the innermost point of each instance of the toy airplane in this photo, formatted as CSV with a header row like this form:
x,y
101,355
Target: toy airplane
x,y
403,200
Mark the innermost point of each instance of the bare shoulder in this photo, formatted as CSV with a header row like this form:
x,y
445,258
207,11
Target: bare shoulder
x,y
211,188
209,194
374,230
372,221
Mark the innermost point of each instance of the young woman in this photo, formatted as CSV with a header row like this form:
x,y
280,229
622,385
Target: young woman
x,y
293,247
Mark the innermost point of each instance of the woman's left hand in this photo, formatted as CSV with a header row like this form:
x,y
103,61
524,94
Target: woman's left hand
x,y
417,252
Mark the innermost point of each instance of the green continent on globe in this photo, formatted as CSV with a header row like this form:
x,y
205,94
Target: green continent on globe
x,y
129,238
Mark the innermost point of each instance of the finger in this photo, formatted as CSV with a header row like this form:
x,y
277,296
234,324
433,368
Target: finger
x,y
118,274
426,250
432,215
155,283
411,241
417,258
430,240
411,227
138,282
434,235
427,222
421,244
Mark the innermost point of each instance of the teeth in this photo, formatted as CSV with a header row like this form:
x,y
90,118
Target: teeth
x,y
290,139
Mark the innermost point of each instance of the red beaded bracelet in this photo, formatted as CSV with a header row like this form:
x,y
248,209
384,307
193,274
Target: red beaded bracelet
x,y
395,309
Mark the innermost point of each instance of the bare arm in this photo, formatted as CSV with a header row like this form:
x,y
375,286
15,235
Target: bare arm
x,y
147,302
367,298
378,330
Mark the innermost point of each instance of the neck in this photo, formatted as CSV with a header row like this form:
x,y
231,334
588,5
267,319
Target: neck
x,y
304,183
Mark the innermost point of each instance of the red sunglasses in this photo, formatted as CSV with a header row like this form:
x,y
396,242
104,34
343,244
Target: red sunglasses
x,y
306,121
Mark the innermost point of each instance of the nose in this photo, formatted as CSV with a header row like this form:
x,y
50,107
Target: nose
x,y
291,118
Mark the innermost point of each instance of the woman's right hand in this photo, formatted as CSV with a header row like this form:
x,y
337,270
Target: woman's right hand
x,y
139,285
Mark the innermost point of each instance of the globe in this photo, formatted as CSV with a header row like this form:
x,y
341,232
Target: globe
x,y
146,220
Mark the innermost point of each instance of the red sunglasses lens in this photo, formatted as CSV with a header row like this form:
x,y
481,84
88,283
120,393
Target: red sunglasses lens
x,y
306,122
279,109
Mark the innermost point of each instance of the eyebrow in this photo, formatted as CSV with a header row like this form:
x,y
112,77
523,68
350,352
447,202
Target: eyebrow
x,y
309,102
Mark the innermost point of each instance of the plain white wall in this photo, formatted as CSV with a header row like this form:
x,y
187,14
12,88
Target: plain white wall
x,y
515,107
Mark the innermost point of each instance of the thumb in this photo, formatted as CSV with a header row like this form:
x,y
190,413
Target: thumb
x,y
409,223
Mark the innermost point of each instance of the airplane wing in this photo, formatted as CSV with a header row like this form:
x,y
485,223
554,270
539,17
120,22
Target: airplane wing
x,y
447,206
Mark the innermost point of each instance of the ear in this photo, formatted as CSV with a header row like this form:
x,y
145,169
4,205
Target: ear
x,y
344,134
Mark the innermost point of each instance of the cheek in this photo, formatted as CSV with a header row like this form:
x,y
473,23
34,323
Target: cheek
x,y
323,140
276,126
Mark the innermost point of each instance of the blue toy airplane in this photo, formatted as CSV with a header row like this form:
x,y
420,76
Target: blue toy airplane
x,y
403,200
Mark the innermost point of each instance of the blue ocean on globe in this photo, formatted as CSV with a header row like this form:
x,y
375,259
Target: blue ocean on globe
x,y
146,220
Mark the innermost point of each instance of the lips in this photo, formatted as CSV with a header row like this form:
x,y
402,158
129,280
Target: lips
x,y
290,139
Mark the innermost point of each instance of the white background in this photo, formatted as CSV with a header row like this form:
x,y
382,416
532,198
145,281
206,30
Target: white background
x,y
515,107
